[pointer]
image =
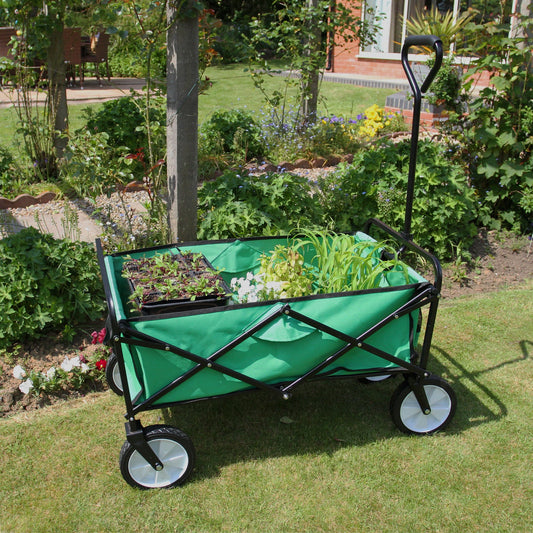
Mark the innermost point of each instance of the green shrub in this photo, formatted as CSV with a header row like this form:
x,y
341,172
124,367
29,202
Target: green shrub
x,y
446,88
124,122
45,283
375,185
333,135
495,138
91,167
233,132
349,194
237,205
7,178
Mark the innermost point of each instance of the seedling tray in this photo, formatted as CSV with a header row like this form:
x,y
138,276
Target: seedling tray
x,y
191,268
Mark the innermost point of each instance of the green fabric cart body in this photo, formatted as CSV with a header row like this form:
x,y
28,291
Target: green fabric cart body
x,y
281,351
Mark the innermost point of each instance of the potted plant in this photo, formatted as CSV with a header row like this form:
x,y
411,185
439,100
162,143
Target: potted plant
x,y
173,282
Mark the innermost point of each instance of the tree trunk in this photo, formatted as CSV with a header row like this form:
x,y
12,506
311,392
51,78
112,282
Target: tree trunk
x,y
182,125
57,90
312,77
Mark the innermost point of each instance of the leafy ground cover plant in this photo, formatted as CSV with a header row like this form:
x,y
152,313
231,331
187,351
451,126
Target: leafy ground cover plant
x,y
46,283
239,205
444,207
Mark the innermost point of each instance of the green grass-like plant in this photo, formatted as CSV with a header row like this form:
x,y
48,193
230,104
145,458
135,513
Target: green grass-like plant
x,y
341,263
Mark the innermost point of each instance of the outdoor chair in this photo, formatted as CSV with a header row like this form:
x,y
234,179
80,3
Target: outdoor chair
x,y
97,54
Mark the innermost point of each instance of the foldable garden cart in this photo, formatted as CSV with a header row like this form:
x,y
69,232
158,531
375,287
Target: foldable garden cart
x,y
185,353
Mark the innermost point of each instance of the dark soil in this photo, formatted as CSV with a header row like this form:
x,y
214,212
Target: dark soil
x,y
498,263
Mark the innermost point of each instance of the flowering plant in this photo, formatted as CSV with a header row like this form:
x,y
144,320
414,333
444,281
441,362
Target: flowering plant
x,y
282,275
376,120
340,263
73,372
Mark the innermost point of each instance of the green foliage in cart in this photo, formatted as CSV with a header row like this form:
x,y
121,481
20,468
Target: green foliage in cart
x,y
46,283
321,262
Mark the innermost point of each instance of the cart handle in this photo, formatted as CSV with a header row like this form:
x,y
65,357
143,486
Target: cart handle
x,y
430,41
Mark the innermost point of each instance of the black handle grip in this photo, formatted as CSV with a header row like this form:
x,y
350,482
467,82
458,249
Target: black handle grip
x,y
436,44
429,41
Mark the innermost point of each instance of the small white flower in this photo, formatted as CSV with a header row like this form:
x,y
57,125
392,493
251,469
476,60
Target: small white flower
x,y
66,365
75,361
26,386
51,372
84,368
19,372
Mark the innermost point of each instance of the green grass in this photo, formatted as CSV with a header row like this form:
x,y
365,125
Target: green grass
x,y
340,465
232,88
9,125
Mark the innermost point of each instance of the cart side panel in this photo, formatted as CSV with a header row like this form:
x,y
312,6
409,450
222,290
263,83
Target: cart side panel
x,y
282,351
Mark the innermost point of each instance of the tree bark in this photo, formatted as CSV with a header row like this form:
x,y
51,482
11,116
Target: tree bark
x,y
312,79
57,91
182,125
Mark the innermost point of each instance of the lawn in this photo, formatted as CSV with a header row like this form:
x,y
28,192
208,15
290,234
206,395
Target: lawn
x,y
328,460
231,88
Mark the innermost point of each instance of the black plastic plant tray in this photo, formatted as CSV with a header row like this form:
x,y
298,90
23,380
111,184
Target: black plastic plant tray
x,y
160,305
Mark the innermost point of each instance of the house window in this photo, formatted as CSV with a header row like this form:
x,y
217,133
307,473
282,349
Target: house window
x,y
389,18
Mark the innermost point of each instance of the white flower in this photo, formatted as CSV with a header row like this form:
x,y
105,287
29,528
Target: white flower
x,y
26,386
19,372
51,372
84,368
67,365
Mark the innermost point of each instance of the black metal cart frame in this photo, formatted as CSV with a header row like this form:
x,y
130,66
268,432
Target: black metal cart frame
x,y
144,446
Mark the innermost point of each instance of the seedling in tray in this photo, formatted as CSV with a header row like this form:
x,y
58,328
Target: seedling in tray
x,y
169,282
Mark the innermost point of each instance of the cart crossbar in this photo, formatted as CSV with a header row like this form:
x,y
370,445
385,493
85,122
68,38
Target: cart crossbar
x,y
133,337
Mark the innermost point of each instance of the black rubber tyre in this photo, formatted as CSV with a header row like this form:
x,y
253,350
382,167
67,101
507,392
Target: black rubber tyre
x,y
173,448
407,415
112,375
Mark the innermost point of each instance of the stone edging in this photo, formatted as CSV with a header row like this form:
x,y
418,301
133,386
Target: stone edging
x,y
25,200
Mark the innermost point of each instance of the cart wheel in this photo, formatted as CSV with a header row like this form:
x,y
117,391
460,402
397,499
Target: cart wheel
x,y
112,375
407,415
173,448
375,379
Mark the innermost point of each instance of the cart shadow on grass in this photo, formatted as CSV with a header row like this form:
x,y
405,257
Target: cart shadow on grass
x,y
478,404
323,418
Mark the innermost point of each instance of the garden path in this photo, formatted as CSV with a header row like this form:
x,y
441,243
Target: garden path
x,y
92,91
